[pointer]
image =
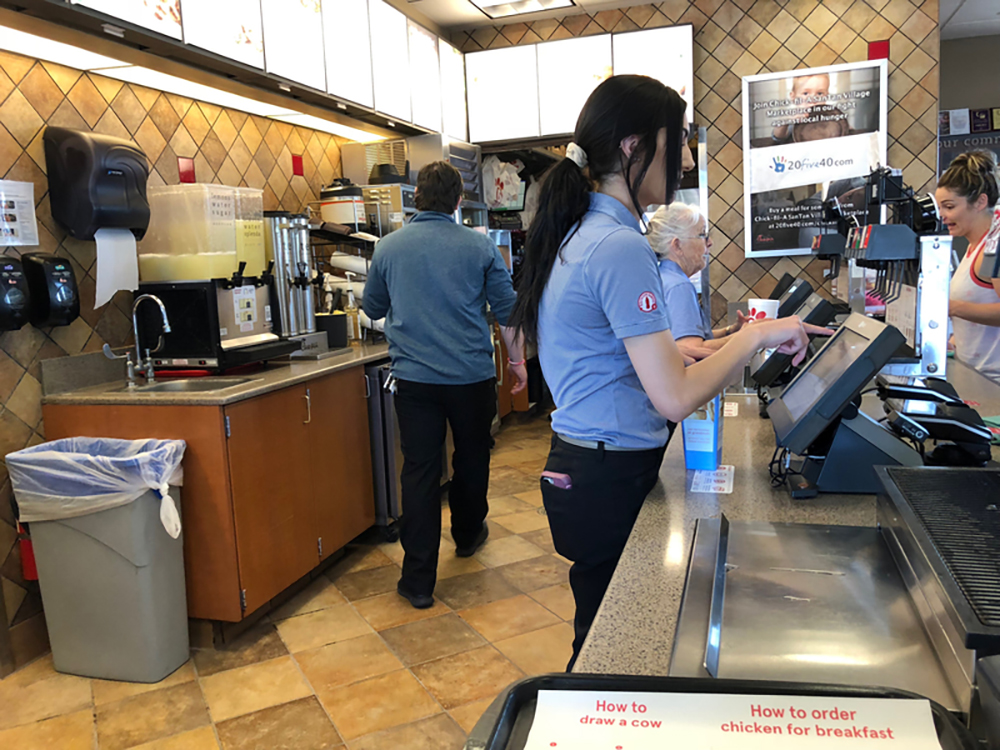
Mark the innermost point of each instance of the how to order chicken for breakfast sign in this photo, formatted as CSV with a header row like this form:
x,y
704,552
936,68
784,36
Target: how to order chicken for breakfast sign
x,y
592,720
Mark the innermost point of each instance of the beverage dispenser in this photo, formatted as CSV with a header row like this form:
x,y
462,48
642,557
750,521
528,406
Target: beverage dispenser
x,y
286,239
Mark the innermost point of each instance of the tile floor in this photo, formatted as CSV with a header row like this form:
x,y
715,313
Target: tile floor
x,y
347,663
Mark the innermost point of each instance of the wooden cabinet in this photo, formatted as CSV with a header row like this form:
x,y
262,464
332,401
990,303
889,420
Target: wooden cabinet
x,y
340,460
273,484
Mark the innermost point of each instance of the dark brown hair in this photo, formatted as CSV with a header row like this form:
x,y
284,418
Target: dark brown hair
x,y
973,174
620,107
439,186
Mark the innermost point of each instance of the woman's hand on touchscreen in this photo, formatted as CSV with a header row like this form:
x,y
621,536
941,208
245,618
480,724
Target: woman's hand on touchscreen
x,y
788,335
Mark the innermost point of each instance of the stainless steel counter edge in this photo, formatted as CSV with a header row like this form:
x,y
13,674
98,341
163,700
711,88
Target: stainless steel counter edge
x,y
634,629
273,377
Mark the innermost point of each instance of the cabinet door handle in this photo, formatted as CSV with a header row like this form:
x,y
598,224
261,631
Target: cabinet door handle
x,y
502,368
368,387
309,407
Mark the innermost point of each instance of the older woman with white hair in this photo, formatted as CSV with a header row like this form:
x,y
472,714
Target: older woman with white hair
x,y
680,237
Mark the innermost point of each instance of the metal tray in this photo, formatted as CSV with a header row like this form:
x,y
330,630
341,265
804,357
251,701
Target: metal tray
x,y
506,723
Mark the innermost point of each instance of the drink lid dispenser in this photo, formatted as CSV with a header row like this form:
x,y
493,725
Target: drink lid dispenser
x,y
96,181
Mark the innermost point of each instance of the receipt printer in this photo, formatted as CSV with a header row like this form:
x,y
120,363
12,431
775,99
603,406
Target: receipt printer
x,y
55,300
13,295
96,181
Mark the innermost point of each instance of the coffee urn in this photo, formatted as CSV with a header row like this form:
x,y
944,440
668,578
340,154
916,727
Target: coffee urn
x,y
286,237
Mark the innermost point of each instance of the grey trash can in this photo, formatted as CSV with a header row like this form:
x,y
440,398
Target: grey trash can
x,y
112,581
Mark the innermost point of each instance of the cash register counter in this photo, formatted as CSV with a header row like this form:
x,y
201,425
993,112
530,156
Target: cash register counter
x,y
634,630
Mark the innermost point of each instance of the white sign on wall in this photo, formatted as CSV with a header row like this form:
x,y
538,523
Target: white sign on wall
x,y
491,117
390,60
454,113
808,136
161,16
293,41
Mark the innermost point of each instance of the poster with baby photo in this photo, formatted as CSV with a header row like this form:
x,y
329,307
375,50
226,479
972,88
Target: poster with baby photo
x,y
808,136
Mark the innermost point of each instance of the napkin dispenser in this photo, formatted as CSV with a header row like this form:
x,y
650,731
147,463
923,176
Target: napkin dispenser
x,y
96,181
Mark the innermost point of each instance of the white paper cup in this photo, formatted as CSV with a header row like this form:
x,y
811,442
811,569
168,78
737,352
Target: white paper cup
x,y
762,309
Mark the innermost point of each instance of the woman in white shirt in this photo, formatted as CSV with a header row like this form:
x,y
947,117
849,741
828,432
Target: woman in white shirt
x,y
967,194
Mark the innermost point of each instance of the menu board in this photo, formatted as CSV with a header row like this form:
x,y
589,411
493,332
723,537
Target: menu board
x,y
493,117
390,59
425,77
455,120
161,16
568,71
665,54
293,41
348,53
231,28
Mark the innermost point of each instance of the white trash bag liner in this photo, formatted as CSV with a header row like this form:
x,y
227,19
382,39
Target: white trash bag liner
x,y
79,476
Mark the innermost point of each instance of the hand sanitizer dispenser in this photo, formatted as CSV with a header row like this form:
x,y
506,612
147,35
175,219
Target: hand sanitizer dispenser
x,y
96,181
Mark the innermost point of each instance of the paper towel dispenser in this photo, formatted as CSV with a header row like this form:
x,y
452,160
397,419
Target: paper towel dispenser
x,y
55,299
96,181
13,295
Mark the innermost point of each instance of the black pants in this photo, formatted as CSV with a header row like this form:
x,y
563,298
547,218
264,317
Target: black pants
x,y
592,521
422,410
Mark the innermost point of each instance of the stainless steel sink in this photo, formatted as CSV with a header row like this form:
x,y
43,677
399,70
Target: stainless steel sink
x,y
192,385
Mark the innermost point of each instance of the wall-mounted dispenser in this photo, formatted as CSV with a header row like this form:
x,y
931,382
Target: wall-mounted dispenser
x,y
13,295
96,181
55,300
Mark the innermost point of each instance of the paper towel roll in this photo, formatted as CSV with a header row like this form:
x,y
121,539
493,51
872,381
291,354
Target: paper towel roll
x,y
117,263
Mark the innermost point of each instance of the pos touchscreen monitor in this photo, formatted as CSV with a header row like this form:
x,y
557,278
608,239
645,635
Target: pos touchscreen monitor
x,y
793,297
816,311
838,373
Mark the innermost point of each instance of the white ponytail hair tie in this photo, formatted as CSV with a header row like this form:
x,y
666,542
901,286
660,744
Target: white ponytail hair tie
x,y
577,155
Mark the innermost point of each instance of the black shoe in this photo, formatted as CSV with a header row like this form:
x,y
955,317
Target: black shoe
x,y
419,601
474,547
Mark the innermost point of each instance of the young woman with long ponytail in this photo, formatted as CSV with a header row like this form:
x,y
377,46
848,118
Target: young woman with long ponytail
x,y
589,297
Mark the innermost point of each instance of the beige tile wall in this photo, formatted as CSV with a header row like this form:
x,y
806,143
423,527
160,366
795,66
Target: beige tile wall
x,y
228,147
734,38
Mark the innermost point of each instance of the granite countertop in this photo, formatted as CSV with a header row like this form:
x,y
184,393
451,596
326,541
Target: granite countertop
x,y
634,629
274,376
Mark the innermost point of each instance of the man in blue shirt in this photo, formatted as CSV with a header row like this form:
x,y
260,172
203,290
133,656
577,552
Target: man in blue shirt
x,y
431,280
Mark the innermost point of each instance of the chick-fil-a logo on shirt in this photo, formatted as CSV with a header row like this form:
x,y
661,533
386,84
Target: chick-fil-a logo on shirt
x,y
647,302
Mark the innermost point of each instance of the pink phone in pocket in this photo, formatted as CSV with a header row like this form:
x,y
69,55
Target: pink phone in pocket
x,y
562,481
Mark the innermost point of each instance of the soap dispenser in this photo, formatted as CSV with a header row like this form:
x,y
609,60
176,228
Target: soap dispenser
x,y
353,314
14,295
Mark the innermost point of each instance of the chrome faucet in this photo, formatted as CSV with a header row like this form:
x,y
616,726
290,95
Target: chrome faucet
x,y
148,364
143,363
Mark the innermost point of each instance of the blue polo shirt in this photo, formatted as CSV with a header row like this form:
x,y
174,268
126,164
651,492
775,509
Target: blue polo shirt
x,y
604,288
431,280
681,300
